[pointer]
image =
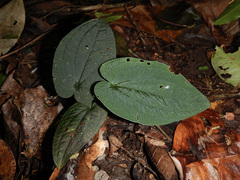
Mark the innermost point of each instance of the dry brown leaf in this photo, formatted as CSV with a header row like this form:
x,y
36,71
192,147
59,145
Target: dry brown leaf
x,y
25,73
115,144
210,10
218,168
143,18
150,132
161,160
12,125
36,118
7,162
230,116
187,132
10,87
85,169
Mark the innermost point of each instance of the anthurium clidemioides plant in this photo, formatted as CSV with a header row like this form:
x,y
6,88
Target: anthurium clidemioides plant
x,y
140,91
146,92
75,70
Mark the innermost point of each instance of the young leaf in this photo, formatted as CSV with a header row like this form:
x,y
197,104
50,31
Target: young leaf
x,y
231,13
78,57
147,92
227,66
78,125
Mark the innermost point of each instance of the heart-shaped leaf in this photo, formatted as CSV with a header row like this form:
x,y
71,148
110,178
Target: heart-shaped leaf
x,y
147,92
227,66
78,125
78,57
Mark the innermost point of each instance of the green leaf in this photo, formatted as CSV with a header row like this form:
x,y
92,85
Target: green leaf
x,y
147,92
202,68
2,78
231,13
78,125
78,57
227,66
110,17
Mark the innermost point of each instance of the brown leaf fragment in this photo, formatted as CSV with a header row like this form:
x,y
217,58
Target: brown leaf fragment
x,y
10,86
229,116
150,132
115,144
162,161
85,169
187,132
7,162
210,10
142,18
26,72
218,168
213,117
37,117
12,125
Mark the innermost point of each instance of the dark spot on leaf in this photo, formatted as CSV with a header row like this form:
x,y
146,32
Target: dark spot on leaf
x,y
161,86
225,76
141,60
127,59
148,63
224,69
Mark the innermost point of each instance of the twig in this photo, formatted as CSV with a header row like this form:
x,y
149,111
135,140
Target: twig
x,y
87,8
179,25
26,45
136,26
138,160
163,132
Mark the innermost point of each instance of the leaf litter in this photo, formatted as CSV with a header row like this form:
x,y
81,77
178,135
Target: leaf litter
x,y
209,139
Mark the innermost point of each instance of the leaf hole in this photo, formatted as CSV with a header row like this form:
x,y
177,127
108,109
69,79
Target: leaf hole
x,y
226,76
127,59
15,22
224,69
148,63
161,86
141,60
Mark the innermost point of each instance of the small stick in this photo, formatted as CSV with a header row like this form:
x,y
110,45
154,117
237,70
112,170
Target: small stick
x,y
163,132
26,45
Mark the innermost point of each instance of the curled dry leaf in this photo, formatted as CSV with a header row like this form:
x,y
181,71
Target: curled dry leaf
x,y
7,162
85,169
218,168
187,132
190,129
157,153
